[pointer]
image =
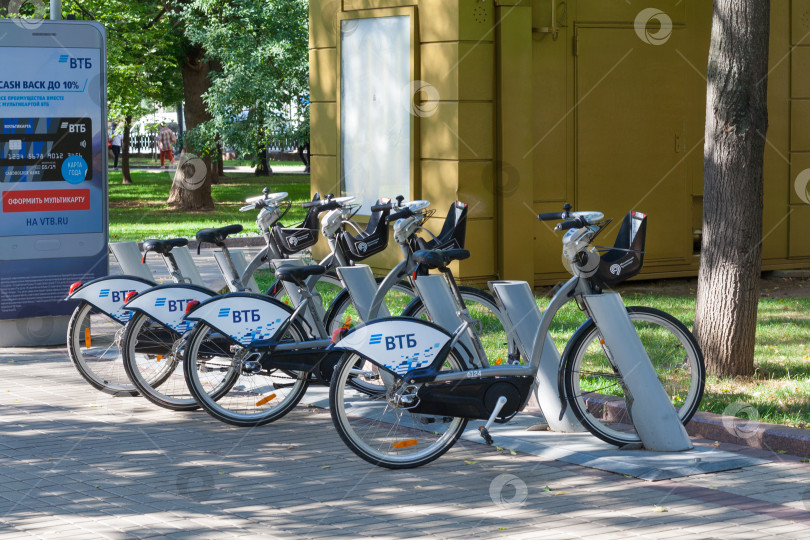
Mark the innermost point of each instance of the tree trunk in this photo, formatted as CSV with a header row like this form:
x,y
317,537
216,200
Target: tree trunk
x,y
263,168
736,123
126,177
220,161
190,190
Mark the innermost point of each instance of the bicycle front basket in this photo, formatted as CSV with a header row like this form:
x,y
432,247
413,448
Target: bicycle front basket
x,y
453,231
625,259
369,242
294,239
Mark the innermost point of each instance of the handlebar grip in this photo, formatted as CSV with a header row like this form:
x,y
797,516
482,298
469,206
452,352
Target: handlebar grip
x,y
311,204
380,207
552,216
577,222
331,205
399,215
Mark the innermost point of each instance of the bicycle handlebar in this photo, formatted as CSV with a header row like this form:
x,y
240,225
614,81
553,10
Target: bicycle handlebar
x,y
331,205
407,212
553,216
380,207
577,222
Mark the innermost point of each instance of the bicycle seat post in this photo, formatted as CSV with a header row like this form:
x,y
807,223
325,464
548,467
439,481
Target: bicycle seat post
x,y
174,269
235,281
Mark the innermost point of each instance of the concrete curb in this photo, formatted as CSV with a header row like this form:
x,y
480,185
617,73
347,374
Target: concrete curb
x,y
741,431
731,429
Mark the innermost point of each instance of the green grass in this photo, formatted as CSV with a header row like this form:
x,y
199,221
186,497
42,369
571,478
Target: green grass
x,y
139,211
779,391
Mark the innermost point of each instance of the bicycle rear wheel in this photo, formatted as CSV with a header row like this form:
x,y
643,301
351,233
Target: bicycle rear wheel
x,y
153,361
343,315
596,391
94,347
482,306
383,432
218,379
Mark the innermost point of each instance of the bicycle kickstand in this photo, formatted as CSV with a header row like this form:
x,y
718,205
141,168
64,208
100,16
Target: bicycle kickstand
x,y
484,430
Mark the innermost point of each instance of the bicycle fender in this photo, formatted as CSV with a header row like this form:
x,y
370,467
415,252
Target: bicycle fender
x,y
107,294
167,304
244,317
397,343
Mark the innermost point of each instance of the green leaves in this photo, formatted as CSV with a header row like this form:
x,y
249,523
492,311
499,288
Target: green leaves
x,y
261,88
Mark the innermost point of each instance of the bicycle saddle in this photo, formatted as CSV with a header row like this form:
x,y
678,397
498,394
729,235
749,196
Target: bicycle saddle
x,y
297,274
164,246
439,259
217,236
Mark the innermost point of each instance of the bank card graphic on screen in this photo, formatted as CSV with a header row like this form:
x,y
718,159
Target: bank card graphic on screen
x,y
52,143
46,150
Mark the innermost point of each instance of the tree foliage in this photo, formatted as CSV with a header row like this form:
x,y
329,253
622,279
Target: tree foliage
x,y
143,56
261,86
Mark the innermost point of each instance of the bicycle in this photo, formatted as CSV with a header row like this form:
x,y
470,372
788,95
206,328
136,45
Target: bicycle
x,y
154,338
264,360
431,391
96,327
409,220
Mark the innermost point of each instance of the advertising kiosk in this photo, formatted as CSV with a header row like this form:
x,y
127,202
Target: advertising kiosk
x,y
53,181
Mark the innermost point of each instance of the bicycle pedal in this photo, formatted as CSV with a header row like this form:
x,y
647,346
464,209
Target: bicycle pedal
x,y
485,434
252,367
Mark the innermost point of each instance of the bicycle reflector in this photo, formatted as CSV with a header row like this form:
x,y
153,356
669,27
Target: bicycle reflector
x,y
191,305
338,334
130,295
266,399
404,444
74,287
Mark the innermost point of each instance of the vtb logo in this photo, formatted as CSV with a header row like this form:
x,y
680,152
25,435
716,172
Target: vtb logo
x,y
75,63
241,315
402,341
115,296
172,305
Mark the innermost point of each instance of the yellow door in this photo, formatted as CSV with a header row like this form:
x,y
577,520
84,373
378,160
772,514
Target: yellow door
x,y
630,118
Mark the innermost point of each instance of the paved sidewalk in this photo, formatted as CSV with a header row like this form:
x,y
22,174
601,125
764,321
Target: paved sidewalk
x,y
76,462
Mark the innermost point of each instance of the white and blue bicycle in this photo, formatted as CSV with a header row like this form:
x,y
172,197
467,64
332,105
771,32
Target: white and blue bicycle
x,y
431,391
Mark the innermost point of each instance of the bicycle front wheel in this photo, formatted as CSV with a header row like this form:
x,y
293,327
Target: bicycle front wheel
x,y
153,361
596,391
94,347
221,383
380,429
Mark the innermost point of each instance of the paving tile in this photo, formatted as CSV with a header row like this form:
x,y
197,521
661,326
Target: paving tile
x,y
269,490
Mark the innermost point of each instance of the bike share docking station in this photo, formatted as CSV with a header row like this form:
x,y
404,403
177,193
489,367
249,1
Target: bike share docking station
x,y
654,417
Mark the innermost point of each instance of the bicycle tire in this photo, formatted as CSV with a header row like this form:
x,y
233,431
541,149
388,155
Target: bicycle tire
x,y
231,396
482,306
674,353
100,361
400,442
153,371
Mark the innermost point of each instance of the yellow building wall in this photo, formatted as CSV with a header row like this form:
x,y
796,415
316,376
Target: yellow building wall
x,y
543,102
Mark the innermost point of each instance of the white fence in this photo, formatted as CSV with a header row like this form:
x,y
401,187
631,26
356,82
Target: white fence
x,y
146,144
